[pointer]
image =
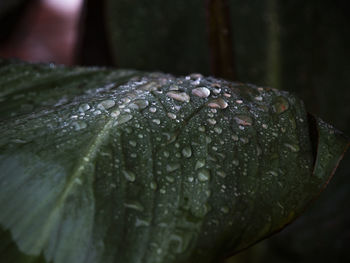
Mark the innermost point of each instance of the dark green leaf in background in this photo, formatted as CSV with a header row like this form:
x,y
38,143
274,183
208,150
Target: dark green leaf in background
x,y
100,165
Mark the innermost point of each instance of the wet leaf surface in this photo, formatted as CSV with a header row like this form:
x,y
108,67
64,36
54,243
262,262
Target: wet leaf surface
x,y
101,165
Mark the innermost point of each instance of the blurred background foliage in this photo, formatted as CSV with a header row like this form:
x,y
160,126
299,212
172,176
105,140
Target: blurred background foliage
x,y
295,45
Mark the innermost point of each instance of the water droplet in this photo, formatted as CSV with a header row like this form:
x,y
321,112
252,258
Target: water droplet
x,y
79,125
218,130
227,95
187,152
201,128
139,104
201,92
179,96
153,109
153,185
264,126
235,162
171,115
207,140
239,101
258,151
115,113
106,104
132,143
130,176
216,91
258,98
84,107
126,100
156,121
199,164
243,120
174,87
172,167
292,147
203,175
19,141
212,121
195,76
280,105
234,137
134,205
162,191
218,104
221,173
190,179
166,154
124,118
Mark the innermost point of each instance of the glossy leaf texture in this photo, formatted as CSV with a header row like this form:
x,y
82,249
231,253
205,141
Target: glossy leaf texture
x,y
102,165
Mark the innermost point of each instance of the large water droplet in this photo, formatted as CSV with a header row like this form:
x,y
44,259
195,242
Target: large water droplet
x,y
179,96
201,92
156,121
124,118
243,120
84,107
199,164
219,103
153,109
203,175
106,104
139,104
212,121
171,115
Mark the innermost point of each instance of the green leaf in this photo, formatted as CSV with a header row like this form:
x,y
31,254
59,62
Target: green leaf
x,y
101,165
